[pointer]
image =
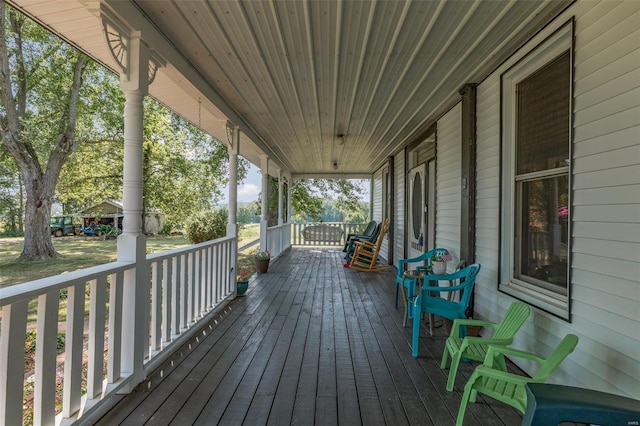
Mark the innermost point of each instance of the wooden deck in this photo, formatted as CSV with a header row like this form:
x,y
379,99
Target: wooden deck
x,y
312,342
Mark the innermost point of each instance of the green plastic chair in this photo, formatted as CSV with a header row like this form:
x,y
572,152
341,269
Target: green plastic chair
x,y
461,347
508,387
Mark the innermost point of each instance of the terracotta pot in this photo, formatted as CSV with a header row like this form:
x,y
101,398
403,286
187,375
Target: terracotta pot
x,y
262,265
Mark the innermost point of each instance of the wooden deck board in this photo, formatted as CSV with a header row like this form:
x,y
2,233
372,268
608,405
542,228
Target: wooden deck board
x,y
311,343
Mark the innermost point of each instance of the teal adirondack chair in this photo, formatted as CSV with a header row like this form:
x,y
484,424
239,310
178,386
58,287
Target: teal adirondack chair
x,y
508,387
467,347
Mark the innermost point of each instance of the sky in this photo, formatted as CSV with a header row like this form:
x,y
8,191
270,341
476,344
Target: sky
x,y
249,189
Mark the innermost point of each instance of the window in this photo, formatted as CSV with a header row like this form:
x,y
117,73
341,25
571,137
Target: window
x,y
536,141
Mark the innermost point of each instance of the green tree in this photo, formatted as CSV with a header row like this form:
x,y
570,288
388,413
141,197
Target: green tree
x,y
247,212
183,168
43,97
93,172
10,195
308,196
207,225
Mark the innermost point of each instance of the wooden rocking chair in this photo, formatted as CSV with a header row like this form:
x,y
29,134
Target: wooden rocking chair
x,y
365,255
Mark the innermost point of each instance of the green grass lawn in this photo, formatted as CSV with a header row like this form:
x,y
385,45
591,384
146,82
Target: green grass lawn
x,y
83,252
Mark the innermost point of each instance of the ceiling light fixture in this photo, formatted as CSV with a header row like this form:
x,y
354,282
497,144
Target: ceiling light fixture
x,y
340,139
335,165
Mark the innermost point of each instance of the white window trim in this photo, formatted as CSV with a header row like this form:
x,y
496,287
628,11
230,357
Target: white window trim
x,y
557,43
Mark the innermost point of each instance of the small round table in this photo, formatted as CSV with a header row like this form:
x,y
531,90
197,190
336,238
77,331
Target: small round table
x,y
419,276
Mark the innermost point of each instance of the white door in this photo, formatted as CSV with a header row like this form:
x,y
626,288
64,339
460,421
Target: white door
x,y
416,205
421,217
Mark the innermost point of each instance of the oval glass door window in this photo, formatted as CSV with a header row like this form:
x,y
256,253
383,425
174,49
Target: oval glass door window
x,y
416,205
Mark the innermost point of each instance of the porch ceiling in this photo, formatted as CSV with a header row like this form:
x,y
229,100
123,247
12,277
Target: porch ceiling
x,y
294,74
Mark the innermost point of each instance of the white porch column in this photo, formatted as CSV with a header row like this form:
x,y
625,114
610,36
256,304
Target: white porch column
x,y
234,149
289,191
232,224
280,201
264,168
132,242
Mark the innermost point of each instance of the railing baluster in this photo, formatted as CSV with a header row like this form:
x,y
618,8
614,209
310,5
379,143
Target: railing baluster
x,y
221,280
217,282
44,394
191,283
197,290
204,264
166,302
156,306
184,321
12,337
114,357
72,389
209,280
175,294
97,318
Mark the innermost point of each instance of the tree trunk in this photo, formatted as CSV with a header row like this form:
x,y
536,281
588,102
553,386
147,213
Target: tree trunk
x,y
21,206
37,236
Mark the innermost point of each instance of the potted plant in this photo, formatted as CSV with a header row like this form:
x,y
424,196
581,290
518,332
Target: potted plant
x,y
439,262
242,281
262,259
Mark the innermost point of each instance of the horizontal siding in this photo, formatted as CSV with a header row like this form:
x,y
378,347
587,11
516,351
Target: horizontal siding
x,y
592,213
606,197
377,210
605,263
489,304
448,191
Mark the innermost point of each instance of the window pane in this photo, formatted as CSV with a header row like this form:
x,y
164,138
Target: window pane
x,y
544,236
542,132
416,205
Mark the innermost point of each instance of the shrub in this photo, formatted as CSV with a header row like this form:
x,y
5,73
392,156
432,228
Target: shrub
x,y
207,225
167,228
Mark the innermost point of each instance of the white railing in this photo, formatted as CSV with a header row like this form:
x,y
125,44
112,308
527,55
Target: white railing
x,y
278,239
87,306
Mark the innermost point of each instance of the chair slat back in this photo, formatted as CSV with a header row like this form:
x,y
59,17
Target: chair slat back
x,y
564,348
513,319
370,229
383,230
467,277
